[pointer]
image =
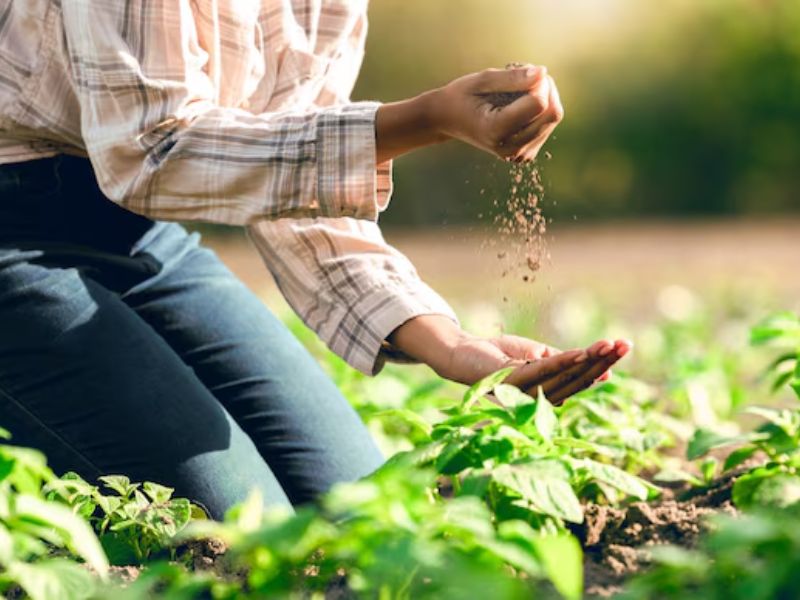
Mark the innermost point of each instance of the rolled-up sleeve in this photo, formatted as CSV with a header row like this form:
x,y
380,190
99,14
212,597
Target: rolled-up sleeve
x,y
161,145
303,179
346,283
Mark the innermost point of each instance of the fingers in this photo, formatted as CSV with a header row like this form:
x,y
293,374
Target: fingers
x,y
527,141
528,375
510,80
520,114
571,386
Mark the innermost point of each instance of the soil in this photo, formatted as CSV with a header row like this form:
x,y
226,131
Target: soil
x,y
521,226
617,541
502,99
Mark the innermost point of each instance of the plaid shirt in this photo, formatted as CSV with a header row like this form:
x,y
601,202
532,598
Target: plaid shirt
x,y
226,111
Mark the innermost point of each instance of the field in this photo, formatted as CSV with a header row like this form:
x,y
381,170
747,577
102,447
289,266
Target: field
x,y
677,479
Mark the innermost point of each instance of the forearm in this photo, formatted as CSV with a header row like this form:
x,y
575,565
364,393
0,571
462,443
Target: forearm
x,y
401,127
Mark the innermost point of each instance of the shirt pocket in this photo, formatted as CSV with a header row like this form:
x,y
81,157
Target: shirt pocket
x,y
299,78
22,39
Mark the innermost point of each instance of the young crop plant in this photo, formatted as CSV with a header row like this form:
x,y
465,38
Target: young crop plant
x,y
622,417
387,536
135,522
782,331
776,482
40,540
514,454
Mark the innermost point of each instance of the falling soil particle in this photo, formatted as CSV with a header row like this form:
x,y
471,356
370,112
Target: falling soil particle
x,y
520,224
518,219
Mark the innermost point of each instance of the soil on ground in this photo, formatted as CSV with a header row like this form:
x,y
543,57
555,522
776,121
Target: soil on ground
x,y
617,541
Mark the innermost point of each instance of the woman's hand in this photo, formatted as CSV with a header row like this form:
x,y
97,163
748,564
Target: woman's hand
x,y
463,110
458,356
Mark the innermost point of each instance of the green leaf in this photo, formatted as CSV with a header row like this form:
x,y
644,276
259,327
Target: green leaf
x,y
544,419
55,579
249,514
79,535
516,437
157,493
744,487
579,444
739,456
780,491
6,467
544,487
484,386
409,417
705,440
108,504
4,434
511,396
119,483
780,418
455,457
709,468
671,475
119,551
514,545
616,478
6,546
476,483
782,328
524,413
562,558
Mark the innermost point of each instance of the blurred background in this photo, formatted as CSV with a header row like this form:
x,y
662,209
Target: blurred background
x,y
672,191
675,108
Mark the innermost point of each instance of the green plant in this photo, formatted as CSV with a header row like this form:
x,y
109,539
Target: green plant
x,y
782,330
39,539
135,522
621,416
388,536
776,482
514,454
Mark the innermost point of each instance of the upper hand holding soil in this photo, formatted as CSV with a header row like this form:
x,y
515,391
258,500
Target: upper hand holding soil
x,y
465,110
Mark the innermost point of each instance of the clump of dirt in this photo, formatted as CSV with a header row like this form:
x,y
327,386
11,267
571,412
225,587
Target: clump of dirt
x,y
124,575
617,541
207,554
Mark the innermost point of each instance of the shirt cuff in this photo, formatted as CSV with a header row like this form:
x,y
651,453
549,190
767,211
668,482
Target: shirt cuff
x,y
350,183
375,315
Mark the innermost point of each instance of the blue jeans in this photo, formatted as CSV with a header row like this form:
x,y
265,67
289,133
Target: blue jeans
x,y
126,347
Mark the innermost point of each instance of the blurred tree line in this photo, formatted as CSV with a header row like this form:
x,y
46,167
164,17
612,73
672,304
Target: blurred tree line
x,y
681,107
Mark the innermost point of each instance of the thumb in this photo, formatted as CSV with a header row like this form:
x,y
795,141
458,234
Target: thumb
x,y
520,79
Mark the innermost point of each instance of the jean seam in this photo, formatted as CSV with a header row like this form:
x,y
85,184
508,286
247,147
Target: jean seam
x,y
51,431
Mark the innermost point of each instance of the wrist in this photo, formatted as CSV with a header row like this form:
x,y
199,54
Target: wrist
x,y
429,339
431,107
401,127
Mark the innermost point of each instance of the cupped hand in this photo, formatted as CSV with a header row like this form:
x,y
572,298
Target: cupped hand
x,y
558,375
463,110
